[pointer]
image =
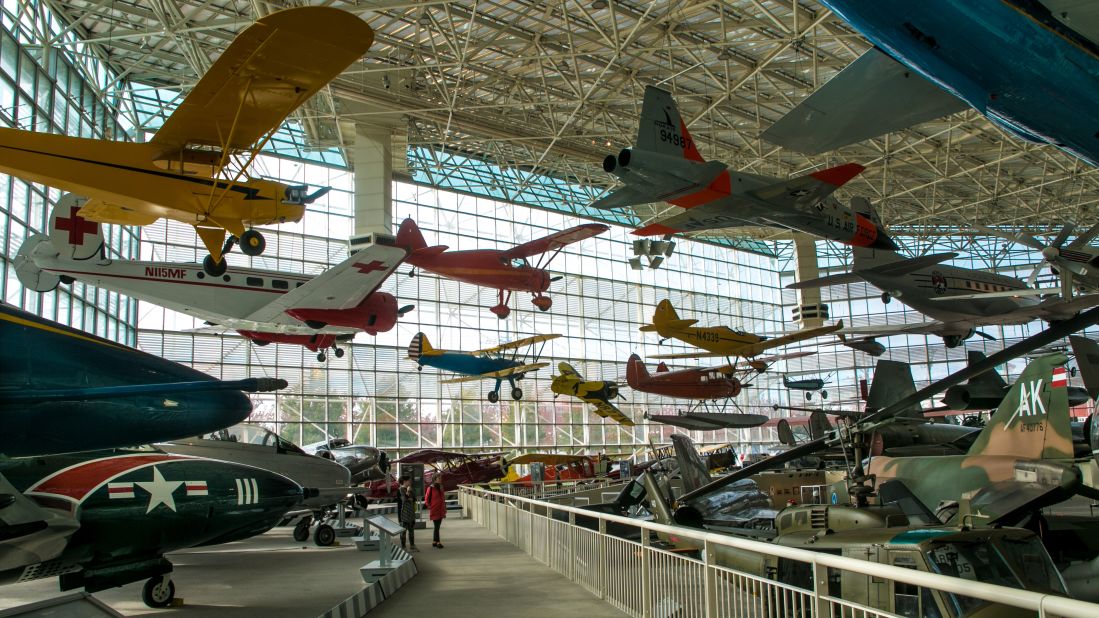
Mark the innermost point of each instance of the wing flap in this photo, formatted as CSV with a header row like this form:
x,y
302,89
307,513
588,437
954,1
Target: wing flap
x,y
267,72
874,95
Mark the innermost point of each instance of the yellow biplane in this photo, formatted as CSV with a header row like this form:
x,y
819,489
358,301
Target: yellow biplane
x,y
194,168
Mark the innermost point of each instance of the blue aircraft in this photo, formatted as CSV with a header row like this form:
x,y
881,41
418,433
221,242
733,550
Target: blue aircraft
x,y
63,391
488,364
1030,66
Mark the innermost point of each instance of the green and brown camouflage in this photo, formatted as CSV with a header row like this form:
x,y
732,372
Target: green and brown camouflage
x,y
1021,460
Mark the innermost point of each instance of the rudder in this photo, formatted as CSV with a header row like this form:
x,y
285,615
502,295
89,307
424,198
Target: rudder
x,y
409,236
636,373
662,129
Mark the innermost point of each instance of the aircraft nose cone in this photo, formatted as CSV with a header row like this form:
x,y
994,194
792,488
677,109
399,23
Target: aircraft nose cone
x,y
204,412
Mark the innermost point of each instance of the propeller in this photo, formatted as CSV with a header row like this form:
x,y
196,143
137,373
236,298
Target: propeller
x,y
1051,253
985,335
297,194
404,310
557,278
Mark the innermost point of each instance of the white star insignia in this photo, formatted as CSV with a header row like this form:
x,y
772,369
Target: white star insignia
x,y
160,491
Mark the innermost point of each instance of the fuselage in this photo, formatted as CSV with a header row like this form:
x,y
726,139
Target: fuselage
x,y
689,384
924,289
467,364
717,339
485,267
134,506
42,358
1013,61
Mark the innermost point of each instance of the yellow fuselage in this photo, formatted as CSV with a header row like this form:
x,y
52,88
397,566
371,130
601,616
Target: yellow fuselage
x,y
719,340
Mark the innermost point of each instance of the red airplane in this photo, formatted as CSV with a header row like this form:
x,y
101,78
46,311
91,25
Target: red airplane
x,y
703,383
507,270
452,468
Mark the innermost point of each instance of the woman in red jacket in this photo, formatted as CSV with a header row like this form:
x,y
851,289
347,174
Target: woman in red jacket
x,y
436,508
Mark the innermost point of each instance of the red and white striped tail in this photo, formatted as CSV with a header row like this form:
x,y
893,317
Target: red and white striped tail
x,y
1060,378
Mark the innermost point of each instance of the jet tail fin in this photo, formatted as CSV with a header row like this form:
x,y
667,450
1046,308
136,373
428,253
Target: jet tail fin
x,y
1033,419
892,382
662,129
989,378
692,469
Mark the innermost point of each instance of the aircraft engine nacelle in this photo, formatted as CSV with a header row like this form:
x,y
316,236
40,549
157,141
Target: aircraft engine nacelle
x,y
612,389
377,313
957,397
657,168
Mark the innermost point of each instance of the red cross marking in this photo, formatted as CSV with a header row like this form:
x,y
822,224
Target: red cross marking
x,y
77,226
371,267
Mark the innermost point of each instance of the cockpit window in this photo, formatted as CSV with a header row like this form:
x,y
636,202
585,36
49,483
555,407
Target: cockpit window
x,y
973,561
1032,564
518,262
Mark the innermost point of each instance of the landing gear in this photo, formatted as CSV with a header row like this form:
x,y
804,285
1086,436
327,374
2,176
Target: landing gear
x,y
808,396
214,269
321,356
494,396
886,297
824,394
516,393
338,352
542,302
325,535
501,311
252,243
158,592
301,530
952,341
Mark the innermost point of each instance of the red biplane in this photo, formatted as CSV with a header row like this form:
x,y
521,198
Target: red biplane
x,y
451,467
506,270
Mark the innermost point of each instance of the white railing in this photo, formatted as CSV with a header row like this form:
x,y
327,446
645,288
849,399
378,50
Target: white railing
x,y
529,489
650,582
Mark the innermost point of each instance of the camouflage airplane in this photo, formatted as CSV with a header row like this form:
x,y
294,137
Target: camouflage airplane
x,y
958,300
986,391
665,165
725,341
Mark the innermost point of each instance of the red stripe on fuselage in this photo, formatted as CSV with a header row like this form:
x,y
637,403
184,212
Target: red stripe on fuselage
x,y
241,288
866,232
690,151
77,481
719,188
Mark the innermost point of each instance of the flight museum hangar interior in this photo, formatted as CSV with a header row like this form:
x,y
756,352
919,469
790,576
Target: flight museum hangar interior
x,y
681,308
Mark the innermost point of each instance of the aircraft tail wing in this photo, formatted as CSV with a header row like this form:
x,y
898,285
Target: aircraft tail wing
x,y
420,346
1087,360
555,241
892,382
1033,418
661,129
991,379
692,468
636,372
890,97
624,197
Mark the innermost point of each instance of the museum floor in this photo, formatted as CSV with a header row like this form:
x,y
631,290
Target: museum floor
x,y
271,575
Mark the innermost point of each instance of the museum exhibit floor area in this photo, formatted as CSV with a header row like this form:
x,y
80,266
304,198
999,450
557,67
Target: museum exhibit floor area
x,y
271,575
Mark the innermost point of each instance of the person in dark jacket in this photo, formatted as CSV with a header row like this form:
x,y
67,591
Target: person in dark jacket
x,y
406,513
436,508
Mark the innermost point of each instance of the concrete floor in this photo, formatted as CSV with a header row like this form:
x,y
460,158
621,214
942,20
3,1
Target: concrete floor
x,y
271,575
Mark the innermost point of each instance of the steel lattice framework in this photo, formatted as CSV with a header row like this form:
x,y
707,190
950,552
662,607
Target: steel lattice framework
x,y
553,86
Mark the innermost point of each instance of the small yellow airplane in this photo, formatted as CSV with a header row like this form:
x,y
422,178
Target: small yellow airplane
x,y
599,393
194,168
724,341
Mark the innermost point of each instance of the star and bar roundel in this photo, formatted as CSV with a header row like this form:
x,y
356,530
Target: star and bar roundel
x,y
160,480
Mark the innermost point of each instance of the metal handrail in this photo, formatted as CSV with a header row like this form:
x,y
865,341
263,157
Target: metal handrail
x,y
1043,603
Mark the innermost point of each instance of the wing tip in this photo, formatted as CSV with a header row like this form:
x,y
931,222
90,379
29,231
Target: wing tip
x,y
654,229
839,175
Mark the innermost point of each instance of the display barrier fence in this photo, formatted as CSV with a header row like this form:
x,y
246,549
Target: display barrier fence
x,y
548,489
648,581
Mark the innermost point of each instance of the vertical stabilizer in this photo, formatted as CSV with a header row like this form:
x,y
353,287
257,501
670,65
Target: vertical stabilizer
x,y
892,382
419,346
1033,420
990,379
636,373
409,236
1087,360
662,130
691,467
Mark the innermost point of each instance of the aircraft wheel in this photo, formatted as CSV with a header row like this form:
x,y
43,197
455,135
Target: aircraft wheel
x,y
324,536
321,357
158,592
419,367
252,243
301,530
952,341
885,298
493,397
808,396
339,352
824,394
67,280
516,393
214,269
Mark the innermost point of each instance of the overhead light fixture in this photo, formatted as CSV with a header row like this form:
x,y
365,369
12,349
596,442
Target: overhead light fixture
x,y
655,250
635,263
424,19
599,5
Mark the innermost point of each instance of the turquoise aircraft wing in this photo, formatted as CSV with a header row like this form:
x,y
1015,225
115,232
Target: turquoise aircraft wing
x,y
503,373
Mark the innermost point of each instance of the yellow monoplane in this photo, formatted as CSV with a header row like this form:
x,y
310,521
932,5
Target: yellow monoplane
x,y
194,169
599,393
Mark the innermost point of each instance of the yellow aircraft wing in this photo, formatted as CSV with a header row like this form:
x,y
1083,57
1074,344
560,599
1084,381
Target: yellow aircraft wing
x,y
800,335
515,344
609,410
98,210
503,373
267,72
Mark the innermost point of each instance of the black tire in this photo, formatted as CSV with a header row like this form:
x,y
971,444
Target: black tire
x,y
214,269
321,357
824,394
952,341
339,352
301,531
885,298
324,535
252,243
156,594
516,393
493,397
808,396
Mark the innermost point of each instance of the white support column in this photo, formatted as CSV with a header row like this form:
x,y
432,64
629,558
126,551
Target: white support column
x,y
810,312
373,181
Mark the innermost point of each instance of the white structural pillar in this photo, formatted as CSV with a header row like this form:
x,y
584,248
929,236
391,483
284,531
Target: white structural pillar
x,y
373,181
810,312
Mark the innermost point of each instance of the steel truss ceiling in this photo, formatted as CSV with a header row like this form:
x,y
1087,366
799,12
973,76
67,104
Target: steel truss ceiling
x,y
554,86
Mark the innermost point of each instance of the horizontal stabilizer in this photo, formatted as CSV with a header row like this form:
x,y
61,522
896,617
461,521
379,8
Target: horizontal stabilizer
x,y
823,282
624,197
873,96
429,252
911,265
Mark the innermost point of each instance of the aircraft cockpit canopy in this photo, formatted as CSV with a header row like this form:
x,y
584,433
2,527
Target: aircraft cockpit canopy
x,y
254,434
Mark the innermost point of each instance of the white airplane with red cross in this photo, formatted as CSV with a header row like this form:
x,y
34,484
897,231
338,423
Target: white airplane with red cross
x,y
263,305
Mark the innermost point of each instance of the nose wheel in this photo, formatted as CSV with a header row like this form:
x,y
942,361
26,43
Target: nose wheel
x,y
158,592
